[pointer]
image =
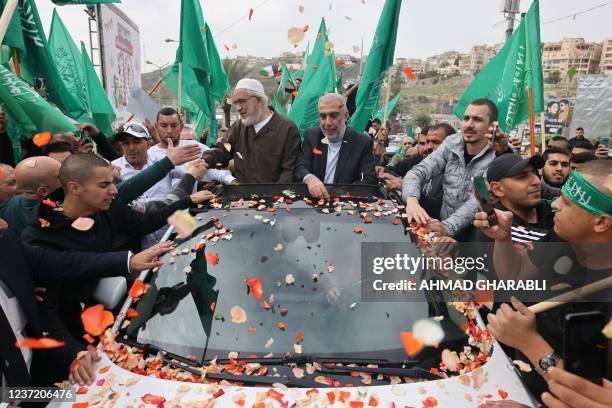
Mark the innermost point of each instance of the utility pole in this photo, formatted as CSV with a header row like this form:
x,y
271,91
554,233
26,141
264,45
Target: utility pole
x,y
510,8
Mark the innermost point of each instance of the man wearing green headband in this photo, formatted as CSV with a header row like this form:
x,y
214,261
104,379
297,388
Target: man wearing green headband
x,y
578,252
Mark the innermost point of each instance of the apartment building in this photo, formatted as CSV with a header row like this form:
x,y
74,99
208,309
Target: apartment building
x,y
559,56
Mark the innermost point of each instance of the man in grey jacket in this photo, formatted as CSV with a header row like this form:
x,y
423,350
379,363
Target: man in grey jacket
x,y
461,157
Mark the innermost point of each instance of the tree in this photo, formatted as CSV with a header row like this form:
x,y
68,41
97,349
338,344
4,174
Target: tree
x,y
396,82
235,70
422,119
444,64
554,77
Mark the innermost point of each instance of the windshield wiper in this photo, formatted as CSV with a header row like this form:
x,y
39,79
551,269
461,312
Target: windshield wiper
x,y
266,380
302,359
414,372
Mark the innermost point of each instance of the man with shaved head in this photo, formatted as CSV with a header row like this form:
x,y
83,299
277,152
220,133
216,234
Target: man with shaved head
x,y
36,178
8,185
334,152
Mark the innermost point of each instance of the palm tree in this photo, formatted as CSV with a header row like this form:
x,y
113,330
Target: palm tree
x,y
235,70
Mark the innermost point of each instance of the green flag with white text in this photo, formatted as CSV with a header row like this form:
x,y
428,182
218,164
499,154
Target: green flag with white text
x,y
39,63
319,79
280,99
29,111
507,77
102,111
68,60
380,58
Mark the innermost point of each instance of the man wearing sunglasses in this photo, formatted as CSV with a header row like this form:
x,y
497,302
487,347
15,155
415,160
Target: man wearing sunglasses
x,y
263,144
334,153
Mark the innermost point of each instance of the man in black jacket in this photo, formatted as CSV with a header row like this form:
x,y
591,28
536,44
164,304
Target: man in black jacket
x,y
23,266
334,153
90,219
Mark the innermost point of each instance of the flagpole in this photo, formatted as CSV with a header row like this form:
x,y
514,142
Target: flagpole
x,y
361,58
387,98
531,121
542,126
6,18
180,87
17,62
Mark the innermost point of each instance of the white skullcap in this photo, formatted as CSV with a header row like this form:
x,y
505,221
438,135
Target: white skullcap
x,y
252,85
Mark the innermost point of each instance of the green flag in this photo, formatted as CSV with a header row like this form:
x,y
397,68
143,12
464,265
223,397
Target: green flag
x,y
68,60
100,107
28,109
14,35
39,63
219,84
280,99
192,45
507,77
200,124
392,104
69,2
379,60
319,78
171,79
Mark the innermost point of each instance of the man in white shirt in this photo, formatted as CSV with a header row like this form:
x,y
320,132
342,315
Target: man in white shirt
x,y
169,126
134,141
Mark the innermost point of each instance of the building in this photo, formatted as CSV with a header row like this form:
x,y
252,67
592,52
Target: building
x,y
605,65
416,65
560,56
440,61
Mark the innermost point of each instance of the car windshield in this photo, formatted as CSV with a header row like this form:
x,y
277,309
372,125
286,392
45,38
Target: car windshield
x,y
307,259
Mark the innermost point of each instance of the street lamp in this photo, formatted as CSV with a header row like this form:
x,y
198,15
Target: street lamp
x,y
159,70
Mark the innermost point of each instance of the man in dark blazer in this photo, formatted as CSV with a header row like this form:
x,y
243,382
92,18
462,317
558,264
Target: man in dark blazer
x,y
24,266
334,153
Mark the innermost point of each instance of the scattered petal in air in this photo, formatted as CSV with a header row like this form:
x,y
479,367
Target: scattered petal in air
x,y
329,45
356,49
317,151
411,344
212,259
44,223
305,28
301,8
297,348
348,18
278,247
428,332
358,230
295,35
42,343
227,47
450,359
409,73
299,336
255,287
83,224
183,222
41,139
238,315
137,289
327,53
131,312
269,342
95,319
250,14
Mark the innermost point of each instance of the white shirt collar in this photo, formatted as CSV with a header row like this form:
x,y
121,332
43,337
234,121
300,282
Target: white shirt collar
x,y
263,123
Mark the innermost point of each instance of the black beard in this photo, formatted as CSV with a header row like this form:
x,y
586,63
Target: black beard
x,y
552,183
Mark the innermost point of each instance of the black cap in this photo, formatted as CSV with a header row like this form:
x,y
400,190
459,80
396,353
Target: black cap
x,y
509,164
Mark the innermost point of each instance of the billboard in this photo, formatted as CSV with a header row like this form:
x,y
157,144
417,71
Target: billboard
x,y
120,49
556,115
593,109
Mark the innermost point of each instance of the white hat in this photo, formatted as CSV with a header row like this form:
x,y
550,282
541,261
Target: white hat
x,y
252,85
133,129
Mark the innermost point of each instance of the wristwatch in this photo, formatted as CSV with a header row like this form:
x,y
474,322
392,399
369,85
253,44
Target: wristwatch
x,y
546,362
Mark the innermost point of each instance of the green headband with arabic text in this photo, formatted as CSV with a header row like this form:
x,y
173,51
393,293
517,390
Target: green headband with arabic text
x,y
586,196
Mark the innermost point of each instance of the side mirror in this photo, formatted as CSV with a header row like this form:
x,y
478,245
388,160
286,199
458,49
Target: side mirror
x,y
110,291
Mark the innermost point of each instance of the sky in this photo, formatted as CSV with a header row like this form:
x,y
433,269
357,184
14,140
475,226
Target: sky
x,y
427,27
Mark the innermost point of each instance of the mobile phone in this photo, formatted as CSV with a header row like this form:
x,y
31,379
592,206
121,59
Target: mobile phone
x,y
494,135
85,135
584,345
481,191
605,141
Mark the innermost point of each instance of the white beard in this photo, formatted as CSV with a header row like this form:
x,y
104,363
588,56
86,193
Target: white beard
x,y
252,119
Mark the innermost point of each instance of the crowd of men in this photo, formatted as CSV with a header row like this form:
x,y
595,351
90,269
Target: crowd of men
x,y
146,172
